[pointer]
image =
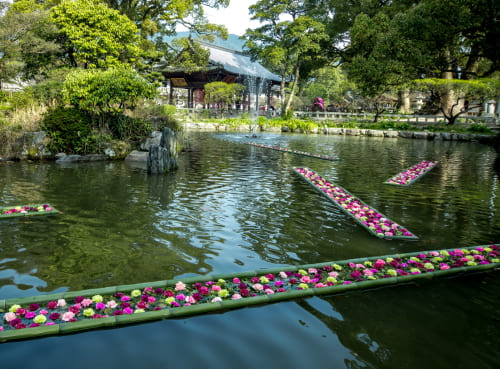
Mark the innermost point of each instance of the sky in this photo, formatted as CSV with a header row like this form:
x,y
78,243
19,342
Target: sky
x,y
235,17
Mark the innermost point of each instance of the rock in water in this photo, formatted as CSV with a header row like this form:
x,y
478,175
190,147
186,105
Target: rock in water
x,y
163,157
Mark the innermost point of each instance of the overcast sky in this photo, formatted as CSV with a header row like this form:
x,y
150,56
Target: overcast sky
x,y
235,17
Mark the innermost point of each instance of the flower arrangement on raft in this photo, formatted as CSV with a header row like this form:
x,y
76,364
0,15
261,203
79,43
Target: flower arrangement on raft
x,y
410,175
318,156
27,210
222,292
372,220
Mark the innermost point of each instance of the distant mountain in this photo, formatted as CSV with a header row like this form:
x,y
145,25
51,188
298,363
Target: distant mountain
x,y
233,42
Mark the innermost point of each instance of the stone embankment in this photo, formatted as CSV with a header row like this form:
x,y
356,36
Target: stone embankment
x,y
33,145
425,135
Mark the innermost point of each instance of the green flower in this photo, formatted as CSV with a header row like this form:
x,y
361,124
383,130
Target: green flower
x,y
488,249
221,282
389,259
264,279
428,266
135,293
88,312
413,258
337,267
14,308
495,260
97,298
392,272
223,293
139,311
304,286
331,279
444,253
40,319
471,263
302,271
368,263
414,270
371,277
437,259
169,300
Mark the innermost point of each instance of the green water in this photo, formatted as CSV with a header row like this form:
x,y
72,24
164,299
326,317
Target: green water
x,y
234,207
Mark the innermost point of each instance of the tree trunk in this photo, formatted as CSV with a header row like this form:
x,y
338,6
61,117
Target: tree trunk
x,y
404,101
292,90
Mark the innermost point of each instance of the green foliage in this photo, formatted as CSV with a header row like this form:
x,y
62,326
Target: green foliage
x,y
96,36
387,124
479,128
70,130
106,91
131,129
222,93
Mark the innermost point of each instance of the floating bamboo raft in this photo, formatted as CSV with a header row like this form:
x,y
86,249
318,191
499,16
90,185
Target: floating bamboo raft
x,y
296,152
27,211
369,218
411,174
72,312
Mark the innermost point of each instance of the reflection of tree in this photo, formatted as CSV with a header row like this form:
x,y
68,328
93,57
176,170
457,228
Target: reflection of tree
x,y
393,327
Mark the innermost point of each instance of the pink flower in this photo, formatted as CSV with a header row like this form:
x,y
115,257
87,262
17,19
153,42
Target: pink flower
x,y
30,315
258,287
128,310
125,298
190,300
86,302
44,312
216,288
269,291
67,316
111,304
444,266
100,306
10,316
236,296
179,286
180,297
236,280
61,302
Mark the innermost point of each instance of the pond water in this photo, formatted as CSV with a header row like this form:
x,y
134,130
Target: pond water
x,y
234,207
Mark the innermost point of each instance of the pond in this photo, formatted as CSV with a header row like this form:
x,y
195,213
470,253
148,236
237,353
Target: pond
x,y
234,207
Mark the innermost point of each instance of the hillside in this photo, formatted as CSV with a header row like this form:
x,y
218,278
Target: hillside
x,y
233,42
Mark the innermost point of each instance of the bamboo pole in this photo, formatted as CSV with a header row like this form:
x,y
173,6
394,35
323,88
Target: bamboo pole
x,y
296,152
27,211
263,286
421,168
363,214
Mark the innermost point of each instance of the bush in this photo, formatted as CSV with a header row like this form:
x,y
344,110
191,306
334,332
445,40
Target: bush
x,y
70,130
479,128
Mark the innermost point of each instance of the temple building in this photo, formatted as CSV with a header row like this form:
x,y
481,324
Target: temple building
x,y
261,86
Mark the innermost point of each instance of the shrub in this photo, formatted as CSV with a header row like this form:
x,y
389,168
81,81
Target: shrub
x,y
69,129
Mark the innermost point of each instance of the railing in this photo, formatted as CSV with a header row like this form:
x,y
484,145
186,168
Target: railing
x,y
403,118
338,117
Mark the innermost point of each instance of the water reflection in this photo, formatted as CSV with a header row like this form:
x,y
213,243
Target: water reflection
x,y
233,207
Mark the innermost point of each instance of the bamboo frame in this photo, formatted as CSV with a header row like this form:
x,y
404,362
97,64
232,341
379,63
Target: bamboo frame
x,y
28,211
424,172
296,152
321,180
488,254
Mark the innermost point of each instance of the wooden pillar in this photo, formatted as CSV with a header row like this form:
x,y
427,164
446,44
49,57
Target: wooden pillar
x,y
170,95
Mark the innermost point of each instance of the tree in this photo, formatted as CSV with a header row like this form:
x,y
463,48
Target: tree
x,y
222,93
96,36
284,46
331,84
103,93
468,95
159,20
27,41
